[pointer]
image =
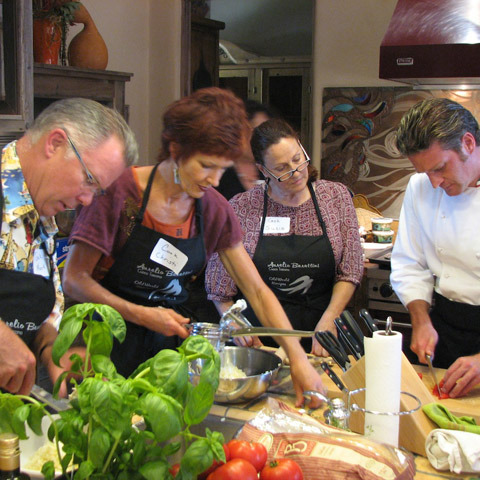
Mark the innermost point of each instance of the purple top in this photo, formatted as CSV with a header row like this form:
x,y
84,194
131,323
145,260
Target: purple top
x,y
109,220
338,213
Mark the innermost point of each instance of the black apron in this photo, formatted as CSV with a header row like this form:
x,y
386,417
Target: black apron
x,y
458,328
138,279
26,299
300,270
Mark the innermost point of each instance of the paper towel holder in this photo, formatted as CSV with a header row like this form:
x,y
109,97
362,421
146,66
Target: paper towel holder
x,y
353,407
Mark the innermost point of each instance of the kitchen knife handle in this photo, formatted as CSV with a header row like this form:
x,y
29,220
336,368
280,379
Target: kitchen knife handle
x,y
333,376
344,334
368,319
350,321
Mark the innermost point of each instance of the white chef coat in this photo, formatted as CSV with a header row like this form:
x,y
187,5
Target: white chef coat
x,y
437,245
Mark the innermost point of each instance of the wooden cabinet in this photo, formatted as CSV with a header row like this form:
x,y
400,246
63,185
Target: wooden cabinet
x,y
16,61
27,88
200,50
284,86
53,82
204,52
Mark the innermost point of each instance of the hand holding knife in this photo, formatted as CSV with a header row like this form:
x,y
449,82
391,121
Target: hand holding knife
x,y
432,372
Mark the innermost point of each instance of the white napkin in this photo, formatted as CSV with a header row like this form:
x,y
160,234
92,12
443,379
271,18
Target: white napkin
x,y
453,449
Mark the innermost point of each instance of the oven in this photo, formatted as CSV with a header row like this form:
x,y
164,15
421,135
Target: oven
x,y
383,302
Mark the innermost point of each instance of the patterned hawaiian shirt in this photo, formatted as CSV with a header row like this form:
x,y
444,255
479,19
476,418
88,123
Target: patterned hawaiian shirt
x,y
20,237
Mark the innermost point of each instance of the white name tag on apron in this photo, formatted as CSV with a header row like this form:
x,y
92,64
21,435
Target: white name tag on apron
x,y
277,225
41,263
169,256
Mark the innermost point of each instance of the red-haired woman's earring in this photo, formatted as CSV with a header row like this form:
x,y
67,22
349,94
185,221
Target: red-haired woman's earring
x,y
176,176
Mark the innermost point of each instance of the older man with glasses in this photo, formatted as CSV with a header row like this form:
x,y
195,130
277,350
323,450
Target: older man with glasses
x,y
301,233
74,150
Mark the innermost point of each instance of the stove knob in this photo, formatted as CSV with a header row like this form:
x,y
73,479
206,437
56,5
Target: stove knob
x,y
386,290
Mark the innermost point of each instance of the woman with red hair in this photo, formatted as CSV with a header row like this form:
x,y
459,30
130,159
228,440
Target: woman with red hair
x,y
139,246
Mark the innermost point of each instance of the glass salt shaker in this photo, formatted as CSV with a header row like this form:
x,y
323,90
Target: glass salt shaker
x,y
337,415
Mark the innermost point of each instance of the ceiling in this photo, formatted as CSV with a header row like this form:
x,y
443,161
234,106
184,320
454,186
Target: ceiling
x,y
267,27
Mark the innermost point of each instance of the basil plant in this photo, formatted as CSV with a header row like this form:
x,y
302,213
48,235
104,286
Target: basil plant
x,y
96,430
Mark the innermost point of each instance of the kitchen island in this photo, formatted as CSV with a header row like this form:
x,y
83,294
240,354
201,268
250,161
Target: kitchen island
x,y
230,418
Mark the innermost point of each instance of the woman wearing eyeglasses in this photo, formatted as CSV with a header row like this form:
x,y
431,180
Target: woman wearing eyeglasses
x,y
138,247
301,233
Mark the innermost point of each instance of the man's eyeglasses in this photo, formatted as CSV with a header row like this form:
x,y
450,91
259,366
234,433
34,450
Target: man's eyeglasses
x,y
91,180
285,176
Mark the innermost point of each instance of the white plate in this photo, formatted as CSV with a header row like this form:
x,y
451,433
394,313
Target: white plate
x,y
376,246
31,445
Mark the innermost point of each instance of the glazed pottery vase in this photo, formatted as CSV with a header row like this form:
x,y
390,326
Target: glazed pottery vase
x,y
87,49
47,40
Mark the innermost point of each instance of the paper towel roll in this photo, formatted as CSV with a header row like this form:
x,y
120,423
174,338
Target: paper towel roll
x,y
383,375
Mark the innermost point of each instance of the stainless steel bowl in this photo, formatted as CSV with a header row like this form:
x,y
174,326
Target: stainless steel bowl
x,y
260,366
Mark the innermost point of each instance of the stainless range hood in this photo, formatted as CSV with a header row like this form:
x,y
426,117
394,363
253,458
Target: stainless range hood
x,y
433,42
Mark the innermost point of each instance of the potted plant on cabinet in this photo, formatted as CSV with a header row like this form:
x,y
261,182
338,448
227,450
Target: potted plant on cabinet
x,y
96,431
51,19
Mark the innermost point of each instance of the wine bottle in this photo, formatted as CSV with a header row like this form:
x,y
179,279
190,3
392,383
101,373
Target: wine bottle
x,y
10,458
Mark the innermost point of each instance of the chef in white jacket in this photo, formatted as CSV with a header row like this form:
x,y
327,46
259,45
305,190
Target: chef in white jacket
x,y
436,256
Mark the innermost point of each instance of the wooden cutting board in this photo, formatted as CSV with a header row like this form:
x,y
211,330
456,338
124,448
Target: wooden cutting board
x,y
468,405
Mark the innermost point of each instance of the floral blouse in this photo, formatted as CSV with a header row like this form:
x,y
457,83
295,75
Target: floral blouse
x,y
340,219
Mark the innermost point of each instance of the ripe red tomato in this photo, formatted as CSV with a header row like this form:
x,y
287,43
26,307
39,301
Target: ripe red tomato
x,y
441,395
282,469
253,452
174,469
236,469
215,464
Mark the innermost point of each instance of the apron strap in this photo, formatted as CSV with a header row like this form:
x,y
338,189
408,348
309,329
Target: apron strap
x,y
146,195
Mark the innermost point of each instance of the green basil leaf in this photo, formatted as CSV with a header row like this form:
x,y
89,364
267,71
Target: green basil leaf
x,y
196,344
85,469
58,383
164,414
65,461
68,333
37,412
157,470
139,451
99,446
77,363
48,470
98,335
102,364
210,372
114,320
217,448
197,458
18,421
199,403
171,448
169,371
108,408
8,404
76,313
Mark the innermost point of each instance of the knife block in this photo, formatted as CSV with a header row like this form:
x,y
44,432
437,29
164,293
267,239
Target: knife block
x,y
414,427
